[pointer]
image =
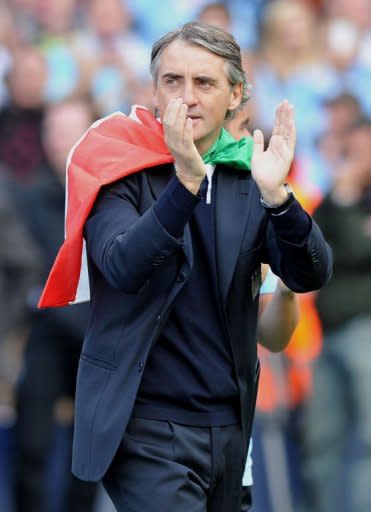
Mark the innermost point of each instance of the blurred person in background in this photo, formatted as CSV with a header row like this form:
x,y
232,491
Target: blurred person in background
x,y
220,15
337,420
57,23
278,318
21,150
115,58
246,21
151,21
289,63
358,14
346,41
341,111
25,17
18,272
8,43
47,381
217,14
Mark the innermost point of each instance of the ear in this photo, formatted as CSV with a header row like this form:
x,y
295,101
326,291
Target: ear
x,y
236,96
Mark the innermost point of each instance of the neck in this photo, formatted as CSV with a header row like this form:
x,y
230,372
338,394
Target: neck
x,y
204,145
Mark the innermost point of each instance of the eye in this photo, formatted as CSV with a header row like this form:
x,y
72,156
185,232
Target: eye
x,y
204,83
171,80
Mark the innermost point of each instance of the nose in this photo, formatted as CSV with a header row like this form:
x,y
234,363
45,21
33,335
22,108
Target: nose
x,y
189,95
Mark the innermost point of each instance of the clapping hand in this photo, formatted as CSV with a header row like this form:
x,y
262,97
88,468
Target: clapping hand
x,y
270,167
178,134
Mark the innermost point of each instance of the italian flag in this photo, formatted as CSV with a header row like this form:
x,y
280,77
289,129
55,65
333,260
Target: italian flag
x,y
112,148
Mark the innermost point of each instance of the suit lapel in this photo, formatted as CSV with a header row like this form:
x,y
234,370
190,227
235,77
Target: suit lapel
x,y
232,212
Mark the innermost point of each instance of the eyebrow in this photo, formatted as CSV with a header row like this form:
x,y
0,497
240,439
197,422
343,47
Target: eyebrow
x,y
170,75
205,78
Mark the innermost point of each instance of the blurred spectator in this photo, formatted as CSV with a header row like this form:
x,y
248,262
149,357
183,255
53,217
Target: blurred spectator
x,y
8,42
54,343
340,405
151,20
246,21
25,15
289,64
357,12
284,385
116,58
347,47
18,264
217,14
20,121
342,112
312,174
67,76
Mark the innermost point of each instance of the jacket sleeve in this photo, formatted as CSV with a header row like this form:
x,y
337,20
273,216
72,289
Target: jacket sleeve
x,y
126,245
297,251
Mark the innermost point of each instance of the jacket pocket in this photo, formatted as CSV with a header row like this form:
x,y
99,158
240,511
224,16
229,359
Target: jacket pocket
x,y
97,361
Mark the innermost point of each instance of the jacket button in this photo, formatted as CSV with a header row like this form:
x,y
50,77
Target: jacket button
x,y
140,366
180,277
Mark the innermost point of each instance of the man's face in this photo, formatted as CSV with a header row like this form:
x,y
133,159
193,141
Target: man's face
x,y
198,77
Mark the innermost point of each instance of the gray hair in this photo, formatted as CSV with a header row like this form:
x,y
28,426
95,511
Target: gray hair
x,y
216,41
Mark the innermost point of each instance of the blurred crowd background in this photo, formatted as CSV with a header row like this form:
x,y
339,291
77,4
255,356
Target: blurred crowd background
x,y
66,63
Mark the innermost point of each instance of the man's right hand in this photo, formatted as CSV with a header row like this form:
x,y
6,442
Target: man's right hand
x,y
178,133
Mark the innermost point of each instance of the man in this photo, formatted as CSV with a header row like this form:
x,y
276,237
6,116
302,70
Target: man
x,y
54,341
278,306
21,150
342,372
168,372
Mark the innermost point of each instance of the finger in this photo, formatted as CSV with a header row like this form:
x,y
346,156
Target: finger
x,y
180,122
173,130
283,118
258,138
188,132
287,116
287,129
279,118
276,125
171,112
292,135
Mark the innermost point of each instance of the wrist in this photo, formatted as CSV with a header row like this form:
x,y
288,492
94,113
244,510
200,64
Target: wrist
x,y
192,183
279,209
276,198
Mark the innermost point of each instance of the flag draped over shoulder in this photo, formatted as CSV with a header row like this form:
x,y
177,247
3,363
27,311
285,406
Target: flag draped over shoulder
x,y
112,148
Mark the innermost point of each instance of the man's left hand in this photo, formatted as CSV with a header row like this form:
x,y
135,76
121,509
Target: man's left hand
x,y
270,167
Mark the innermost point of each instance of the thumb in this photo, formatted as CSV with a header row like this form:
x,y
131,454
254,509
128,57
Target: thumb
x,y
258,138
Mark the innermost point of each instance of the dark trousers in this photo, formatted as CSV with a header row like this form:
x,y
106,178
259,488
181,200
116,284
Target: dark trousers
x,y
162,466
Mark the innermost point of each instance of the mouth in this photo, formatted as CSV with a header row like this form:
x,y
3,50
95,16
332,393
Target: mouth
x,y
194,117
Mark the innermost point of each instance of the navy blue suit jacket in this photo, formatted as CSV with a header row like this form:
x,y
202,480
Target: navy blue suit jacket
x,y
136,269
